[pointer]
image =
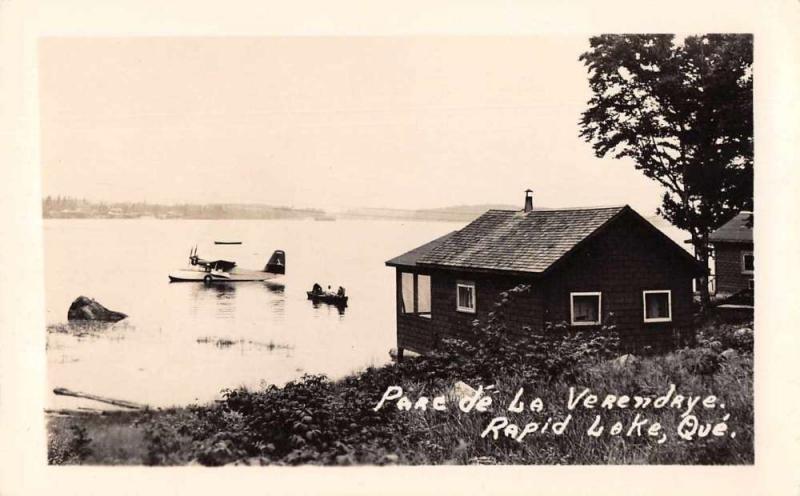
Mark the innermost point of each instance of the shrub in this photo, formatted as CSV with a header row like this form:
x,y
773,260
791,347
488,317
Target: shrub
x,y
724,335
490,351
163,438
73,449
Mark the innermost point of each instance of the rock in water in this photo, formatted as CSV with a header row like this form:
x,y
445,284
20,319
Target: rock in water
x,y
84,308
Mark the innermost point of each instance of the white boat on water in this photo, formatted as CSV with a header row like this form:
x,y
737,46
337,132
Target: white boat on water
x,y
209,271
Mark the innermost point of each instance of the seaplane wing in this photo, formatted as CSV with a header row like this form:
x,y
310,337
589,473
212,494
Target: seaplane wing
x,y
223,265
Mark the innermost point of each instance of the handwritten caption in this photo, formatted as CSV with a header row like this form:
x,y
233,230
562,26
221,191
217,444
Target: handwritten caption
x,y
576,400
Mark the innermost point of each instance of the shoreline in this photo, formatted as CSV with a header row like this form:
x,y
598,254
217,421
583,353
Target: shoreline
x,y
317,421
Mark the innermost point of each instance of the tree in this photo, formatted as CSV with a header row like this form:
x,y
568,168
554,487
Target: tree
x,y
683,113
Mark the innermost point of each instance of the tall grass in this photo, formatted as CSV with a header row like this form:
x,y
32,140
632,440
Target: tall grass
x,y
455,436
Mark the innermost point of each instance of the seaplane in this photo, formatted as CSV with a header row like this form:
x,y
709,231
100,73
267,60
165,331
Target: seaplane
x,y
219,270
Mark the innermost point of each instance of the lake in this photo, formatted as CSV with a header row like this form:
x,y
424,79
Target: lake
x,y
184,342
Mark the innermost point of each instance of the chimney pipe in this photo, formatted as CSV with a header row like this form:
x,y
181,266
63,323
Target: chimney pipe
x,y
528,200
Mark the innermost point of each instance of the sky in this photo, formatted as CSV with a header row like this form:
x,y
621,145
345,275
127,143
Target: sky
x,y
328,122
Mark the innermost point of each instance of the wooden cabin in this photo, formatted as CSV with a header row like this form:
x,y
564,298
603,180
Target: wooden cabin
x,y
734,263
581,263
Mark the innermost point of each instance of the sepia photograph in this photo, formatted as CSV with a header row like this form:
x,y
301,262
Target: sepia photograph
x,y
418,248
454,250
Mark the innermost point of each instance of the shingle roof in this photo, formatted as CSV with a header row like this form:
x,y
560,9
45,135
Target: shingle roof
x,y
410,258
737,230
509,240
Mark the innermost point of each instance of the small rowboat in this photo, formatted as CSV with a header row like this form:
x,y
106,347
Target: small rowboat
x,y
330,298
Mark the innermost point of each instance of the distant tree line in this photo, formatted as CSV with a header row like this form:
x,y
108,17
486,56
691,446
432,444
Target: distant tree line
x,y
68,207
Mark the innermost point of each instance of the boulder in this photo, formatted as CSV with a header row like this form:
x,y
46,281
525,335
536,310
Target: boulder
x,y
461,390
84,308
728,354
626,360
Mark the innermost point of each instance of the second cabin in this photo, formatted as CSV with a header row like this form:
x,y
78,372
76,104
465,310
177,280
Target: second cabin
x,y
582,264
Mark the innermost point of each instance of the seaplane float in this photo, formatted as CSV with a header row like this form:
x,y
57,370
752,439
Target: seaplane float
x,y
219,270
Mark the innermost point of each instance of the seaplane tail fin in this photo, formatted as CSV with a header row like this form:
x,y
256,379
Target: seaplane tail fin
x,y
277,263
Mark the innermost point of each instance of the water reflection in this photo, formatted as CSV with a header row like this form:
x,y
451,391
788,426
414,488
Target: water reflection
x,y
221,295
222,298
223,289
277,301
274,287
319,304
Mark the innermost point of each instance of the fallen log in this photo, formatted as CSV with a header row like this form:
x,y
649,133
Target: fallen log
x,y
70,413
110,401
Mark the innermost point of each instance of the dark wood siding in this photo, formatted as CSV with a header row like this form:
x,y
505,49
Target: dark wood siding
x,y
524,310
624,260
622,263
415,333
728,267
421,334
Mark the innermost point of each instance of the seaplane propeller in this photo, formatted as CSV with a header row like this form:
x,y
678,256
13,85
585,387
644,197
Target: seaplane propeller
x,y
193,255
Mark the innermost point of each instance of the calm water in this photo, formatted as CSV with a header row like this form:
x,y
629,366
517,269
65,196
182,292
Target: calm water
x,y
168,351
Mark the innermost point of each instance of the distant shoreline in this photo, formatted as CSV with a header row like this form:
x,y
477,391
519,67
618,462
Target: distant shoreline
x,y
71,208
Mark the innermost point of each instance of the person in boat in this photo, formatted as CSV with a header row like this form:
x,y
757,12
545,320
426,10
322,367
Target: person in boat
x,y
317,289
340,292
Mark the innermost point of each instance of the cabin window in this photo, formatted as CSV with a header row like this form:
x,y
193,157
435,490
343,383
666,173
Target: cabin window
x,y
657,305
751,284
585,308
416,294
465,296
748,262
407,290
424,296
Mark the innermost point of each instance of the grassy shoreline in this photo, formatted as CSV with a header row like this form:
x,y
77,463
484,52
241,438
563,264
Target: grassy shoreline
x,y
317,421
